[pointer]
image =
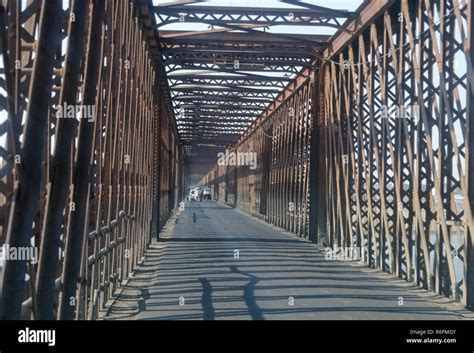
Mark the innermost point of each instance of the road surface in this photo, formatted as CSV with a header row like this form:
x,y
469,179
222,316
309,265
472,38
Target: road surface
x,y
214,262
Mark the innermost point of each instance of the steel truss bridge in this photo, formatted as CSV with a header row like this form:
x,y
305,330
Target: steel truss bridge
x,y
363,138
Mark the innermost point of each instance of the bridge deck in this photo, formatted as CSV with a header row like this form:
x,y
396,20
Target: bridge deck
x,y
195,263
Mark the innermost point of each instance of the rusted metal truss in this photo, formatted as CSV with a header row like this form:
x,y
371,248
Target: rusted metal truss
x,y
225,41
396,131
367,141
378,154
216,15
276,188
231,65
90,184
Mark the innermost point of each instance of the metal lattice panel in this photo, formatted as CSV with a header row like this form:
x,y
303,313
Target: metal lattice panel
x,y
79,188
236,63
396,104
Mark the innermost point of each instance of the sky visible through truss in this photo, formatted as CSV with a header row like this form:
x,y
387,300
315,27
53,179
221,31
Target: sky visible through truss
x,y
193,124
350,5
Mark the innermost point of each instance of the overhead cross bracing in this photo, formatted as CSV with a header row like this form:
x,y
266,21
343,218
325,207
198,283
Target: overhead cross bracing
x,y
226,64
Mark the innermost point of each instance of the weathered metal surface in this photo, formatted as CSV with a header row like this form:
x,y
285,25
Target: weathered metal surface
x,y
275,188
87,191
397,184
365,143
224,71
27,181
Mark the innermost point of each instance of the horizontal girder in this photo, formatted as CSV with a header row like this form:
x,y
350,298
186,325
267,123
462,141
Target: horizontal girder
x,y
216,15
224,77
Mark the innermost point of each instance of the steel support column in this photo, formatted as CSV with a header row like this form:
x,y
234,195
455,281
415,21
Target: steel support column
x,y
27,187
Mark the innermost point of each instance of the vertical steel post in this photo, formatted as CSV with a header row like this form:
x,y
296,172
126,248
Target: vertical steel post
x,y
469,287
57,191
314,189
27,190
81,173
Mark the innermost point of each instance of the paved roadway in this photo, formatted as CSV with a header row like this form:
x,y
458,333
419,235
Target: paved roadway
x,y
192,274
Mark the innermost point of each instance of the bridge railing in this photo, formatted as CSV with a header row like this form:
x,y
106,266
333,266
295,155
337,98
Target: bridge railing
x,y
87,139
397,163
